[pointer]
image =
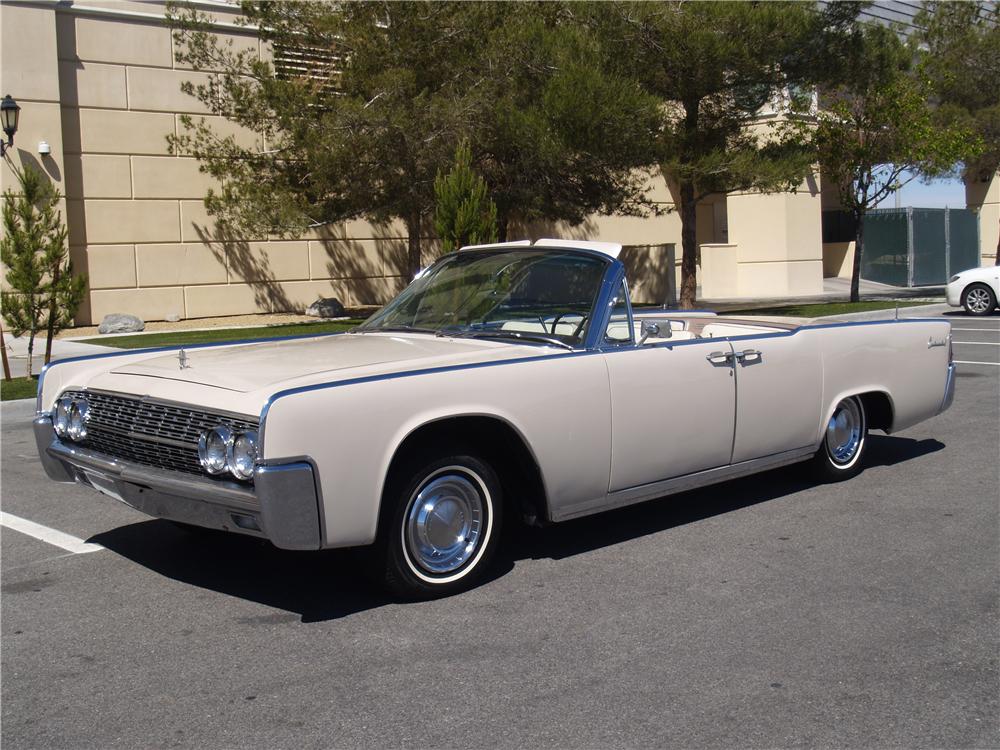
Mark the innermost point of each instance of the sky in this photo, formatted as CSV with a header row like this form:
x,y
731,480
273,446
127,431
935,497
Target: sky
x,y
942,193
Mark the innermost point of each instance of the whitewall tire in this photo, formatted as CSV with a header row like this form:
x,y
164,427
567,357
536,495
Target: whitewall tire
x,y
841,454
441,528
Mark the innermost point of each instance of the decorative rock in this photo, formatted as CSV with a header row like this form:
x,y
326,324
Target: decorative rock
x,y
326,307
172,318
121,323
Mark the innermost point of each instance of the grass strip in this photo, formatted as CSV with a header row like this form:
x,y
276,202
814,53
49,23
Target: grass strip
x,y
823,309
16,388
180,338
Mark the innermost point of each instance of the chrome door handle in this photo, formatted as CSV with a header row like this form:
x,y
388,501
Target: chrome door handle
x,y
719,358
748,354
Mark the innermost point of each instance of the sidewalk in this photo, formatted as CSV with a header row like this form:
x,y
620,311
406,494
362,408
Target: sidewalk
x,y
17,353
834,290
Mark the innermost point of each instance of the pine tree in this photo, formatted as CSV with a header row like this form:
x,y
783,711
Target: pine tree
x,y
43,292
464,214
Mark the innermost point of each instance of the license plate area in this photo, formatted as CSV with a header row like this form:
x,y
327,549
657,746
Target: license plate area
x,y
100,482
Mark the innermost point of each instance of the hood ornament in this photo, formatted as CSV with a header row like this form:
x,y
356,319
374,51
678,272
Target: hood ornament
x,y
182,358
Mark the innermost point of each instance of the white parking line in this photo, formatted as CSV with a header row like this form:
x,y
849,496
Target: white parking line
x,y
965,362
56,538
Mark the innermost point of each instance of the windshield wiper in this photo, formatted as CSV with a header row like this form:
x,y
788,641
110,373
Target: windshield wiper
x,y
517,335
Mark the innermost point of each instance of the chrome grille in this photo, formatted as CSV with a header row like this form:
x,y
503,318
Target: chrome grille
x,y
148,432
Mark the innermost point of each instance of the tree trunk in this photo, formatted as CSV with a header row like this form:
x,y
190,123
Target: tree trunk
x,y
3,350
859,246
689,247
51,324
503,220
413,259
31,348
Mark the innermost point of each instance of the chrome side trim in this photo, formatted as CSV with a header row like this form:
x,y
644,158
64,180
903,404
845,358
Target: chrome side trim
x,y
158,349
685,483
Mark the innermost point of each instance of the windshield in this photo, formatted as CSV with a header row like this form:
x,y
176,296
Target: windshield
x,y
531,294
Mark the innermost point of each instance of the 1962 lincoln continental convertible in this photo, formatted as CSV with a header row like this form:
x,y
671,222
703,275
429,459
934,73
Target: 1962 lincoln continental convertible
x,y
507,380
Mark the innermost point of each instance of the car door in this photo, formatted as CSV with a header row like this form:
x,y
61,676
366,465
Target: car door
x,y
779,388
672,410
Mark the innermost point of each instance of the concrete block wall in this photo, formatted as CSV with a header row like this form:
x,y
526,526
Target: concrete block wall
x,y
98,81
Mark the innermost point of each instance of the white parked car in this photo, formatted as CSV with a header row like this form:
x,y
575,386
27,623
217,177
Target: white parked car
x,y
510,380
977,290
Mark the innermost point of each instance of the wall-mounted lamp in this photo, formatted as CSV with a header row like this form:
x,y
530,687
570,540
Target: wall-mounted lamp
x,y
9,113
44,149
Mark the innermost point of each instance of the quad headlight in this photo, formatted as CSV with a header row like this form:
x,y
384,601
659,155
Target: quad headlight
x,y
221,450
70,418
242,455
213,445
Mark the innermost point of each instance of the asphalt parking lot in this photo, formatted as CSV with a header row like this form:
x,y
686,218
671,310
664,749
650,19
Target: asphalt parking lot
x,y
765,612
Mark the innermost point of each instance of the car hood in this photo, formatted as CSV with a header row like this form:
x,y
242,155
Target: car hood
x,y
291,363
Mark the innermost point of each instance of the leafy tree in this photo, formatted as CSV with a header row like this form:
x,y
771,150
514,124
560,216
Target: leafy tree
x,y
877,131
558,132
43,292
392,89
464,213
715,66
960,53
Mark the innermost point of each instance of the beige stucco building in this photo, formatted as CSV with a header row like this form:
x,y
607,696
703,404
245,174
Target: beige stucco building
x,y
97,81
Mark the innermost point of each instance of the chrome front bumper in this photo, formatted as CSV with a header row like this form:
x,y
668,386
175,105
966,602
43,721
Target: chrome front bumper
x,y
282,505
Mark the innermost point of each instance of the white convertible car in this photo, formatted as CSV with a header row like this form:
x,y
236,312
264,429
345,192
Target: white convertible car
x,y
510,380
977,290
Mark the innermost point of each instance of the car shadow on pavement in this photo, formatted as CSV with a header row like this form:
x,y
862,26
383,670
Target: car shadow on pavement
x,y
323,585
329,584
653,516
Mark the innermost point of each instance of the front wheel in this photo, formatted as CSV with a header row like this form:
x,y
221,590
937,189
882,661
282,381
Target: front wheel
x,y
442,527
840,455
978,299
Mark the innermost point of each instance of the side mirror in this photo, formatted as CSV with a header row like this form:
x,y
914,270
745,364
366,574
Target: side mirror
x,y
648,329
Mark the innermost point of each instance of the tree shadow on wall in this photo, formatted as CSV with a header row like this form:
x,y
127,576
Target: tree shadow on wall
x,y
244,264
373,270
543,228
648,269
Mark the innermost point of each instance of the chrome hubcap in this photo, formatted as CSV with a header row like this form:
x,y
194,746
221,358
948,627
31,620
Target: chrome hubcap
x,y
444,524
978,300
844,432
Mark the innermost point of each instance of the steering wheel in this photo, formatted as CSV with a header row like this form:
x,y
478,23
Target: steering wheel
x,y
560,316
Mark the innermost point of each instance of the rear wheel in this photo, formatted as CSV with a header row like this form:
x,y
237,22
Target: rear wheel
x,y
441,527
840,455
978,299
